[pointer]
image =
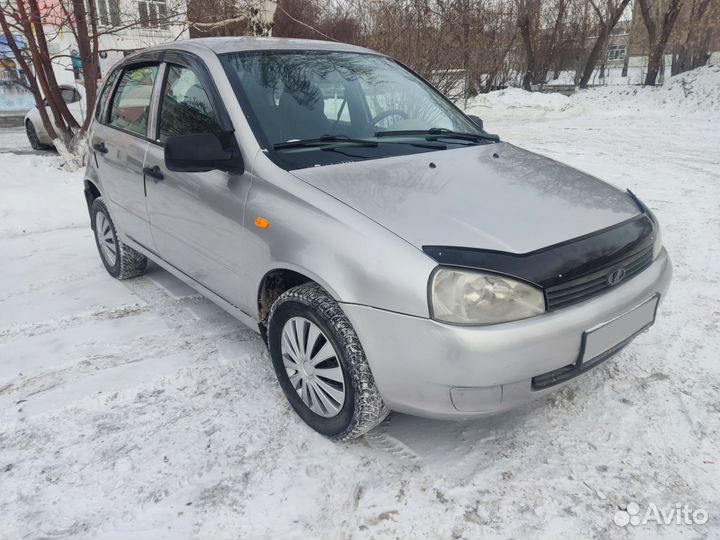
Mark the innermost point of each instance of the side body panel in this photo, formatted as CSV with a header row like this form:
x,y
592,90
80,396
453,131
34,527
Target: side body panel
x,y
122,176
197,223
355,259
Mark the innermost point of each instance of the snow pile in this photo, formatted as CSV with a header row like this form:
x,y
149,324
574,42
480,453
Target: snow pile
x,y
690,92
518,103
38,196
694,91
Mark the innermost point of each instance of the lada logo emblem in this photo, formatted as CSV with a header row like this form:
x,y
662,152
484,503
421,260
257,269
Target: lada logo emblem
x,y
616,276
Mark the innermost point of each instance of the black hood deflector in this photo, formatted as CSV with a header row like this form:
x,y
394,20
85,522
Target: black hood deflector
x,y
560,263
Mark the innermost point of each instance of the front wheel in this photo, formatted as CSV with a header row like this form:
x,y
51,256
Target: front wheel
x,y
120,260
321,365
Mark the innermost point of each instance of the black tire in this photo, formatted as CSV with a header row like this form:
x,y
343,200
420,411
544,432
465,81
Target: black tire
x,y
128,263
33,137
363,408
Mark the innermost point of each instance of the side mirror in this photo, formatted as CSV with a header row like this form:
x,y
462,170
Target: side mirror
x,y
201,152
477,121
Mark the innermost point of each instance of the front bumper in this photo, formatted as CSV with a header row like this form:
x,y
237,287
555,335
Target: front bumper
x,y
427,368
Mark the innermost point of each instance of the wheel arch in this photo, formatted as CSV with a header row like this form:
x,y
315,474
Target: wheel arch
x,y
275,282
92,192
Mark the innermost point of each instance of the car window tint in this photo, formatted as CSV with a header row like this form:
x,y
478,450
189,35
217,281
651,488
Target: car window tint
x,y
186,107
131,102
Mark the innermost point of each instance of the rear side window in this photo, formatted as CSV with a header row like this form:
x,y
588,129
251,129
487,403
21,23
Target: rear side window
x,y
130,105
185,107
101,107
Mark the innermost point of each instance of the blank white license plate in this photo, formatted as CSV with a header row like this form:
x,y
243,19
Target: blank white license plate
x,y
607,335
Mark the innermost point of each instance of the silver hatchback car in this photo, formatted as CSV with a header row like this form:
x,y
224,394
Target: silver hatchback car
x,y
392,254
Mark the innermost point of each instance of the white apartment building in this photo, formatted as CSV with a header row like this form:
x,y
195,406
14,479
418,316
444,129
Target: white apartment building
x,y
124,27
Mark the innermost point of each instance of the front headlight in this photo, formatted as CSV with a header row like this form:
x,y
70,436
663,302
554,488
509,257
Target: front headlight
x,y
468,297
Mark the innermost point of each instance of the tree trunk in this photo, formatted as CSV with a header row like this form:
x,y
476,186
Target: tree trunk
x,y
655,60
626,62
53,94
658,39
88,56
526,33
29,75
595,53
467,91
693,51
40,75
605,26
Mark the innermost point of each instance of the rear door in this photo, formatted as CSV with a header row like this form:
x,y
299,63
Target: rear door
x,y
197,218
119,143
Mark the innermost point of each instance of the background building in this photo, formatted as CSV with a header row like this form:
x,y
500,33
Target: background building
x,y
123,27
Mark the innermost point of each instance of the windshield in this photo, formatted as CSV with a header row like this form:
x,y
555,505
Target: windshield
x,y
310,108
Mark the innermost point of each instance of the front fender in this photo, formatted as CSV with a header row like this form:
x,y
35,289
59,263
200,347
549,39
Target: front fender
x,y
356,260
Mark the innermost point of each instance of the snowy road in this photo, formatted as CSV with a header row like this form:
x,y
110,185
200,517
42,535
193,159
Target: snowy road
x,y
139,410
13,140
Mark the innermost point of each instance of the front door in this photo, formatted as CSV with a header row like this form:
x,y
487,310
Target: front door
x,y
196,218
119,144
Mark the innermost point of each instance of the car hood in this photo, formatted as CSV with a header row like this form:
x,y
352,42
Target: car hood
x,y
495,197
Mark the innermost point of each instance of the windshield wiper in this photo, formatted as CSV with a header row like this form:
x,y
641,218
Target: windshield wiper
x,y
324,140
433,134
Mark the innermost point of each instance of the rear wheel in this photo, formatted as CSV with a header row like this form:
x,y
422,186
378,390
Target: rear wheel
x,y
33,137
120,260
321,365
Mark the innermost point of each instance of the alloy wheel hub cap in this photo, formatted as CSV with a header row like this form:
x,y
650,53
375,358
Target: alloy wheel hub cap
x,y
312,365
105,238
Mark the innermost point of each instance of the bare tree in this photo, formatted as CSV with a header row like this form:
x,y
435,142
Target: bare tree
x,y
701,19
607,15
214,18
39,24
26,19
496,36
658,32
20,58
545,35
528,24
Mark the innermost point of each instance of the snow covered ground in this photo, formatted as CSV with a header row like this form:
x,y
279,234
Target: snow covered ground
x,y
138,410
14,140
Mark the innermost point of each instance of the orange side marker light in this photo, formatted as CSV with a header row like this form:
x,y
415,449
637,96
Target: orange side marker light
x,y
261,223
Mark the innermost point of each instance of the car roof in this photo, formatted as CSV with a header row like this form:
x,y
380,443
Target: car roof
x,y
220,45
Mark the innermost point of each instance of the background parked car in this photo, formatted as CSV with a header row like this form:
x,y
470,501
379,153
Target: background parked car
x,y
39,139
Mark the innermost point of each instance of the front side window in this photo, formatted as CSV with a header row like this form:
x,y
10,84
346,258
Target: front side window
x,y
364,101
185,107
131,103
100,106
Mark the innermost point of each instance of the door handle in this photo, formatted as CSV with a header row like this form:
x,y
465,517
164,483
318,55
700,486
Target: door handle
x,y
153,172
100,147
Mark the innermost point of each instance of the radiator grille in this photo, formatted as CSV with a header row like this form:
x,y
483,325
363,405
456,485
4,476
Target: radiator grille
x,y
591,284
